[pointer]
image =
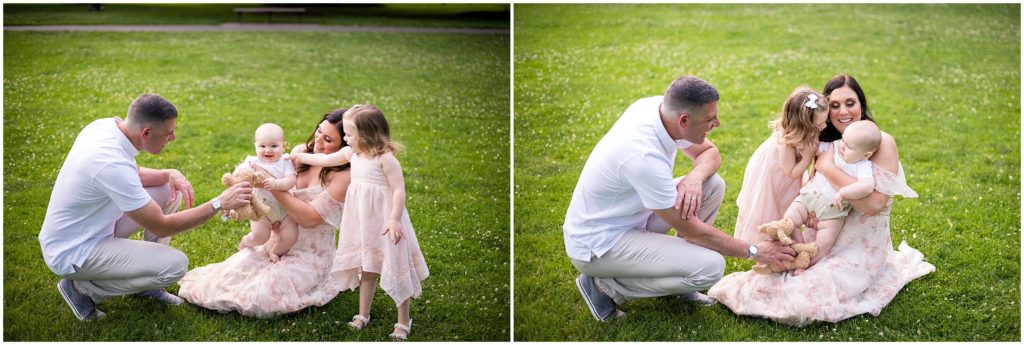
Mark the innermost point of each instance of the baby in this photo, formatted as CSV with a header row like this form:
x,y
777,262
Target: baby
x,y
859,142
270,147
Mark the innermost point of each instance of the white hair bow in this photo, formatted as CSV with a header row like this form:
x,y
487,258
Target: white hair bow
x,y
812,101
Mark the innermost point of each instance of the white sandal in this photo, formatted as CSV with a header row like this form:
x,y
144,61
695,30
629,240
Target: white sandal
x,y
401,337
365,320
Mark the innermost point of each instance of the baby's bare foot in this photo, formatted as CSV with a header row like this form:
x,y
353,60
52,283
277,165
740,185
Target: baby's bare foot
x,y
274,257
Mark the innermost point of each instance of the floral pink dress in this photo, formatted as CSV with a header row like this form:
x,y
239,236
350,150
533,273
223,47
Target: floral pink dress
x,y
247,282
362,245
766,193
862,275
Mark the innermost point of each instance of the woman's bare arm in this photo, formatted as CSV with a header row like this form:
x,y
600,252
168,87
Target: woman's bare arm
x,y
300,211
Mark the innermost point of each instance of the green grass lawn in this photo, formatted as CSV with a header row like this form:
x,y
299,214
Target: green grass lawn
x,y
447,100
943,79
419,15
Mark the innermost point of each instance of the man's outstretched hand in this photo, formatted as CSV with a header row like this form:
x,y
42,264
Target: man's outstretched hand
x,y
236,196
773,253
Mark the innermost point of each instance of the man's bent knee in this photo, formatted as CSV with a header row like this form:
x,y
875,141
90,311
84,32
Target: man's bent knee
x,y
711,273
162,194
715,184
177,265
174,204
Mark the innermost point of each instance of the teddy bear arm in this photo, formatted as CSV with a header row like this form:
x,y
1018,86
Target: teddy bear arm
x,y
784,237
227,180
803,260
810,248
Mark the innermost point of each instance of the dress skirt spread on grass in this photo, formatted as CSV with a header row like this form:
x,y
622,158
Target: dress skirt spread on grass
x,y
862,275
247,282
363,246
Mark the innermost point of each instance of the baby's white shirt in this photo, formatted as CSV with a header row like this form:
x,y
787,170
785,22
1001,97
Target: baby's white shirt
x,y
280,168
858,170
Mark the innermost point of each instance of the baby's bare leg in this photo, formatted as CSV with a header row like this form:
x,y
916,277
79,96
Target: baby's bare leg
x,y
828,232
797,213
259,234
810,235
286,237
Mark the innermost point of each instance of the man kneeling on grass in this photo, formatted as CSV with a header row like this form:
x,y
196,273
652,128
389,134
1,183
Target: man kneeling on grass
x,y
626,200
102,196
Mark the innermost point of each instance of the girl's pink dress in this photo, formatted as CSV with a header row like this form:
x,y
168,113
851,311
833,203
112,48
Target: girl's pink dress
x,y
766,193
862,274
247,282
363,246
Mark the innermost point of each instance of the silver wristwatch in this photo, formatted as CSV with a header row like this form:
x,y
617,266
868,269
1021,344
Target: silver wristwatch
x,y
217,207
751,252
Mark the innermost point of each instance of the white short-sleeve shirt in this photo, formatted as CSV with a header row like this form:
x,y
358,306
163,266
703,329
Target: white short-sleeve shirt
x,y
858,170
279,168
97,184
628,175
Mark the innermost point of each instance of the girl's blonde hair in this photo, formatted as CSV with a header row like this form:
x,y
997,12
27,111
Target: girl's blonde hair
x,y
374,134
796,123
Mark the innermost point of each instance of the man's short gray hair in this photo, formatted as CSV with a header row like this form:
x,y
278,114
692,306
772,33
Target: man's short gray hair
x,y
687,93
149,109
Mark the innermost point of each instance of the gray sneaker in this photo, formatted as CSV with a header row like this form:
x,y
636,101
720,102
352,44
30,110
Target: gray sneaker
x,y
81,305
162,296
601,306
697,298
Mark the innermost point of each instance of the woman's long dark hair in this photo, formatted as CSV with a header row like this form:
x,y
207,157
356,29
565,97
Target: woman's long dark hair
x,y
333,117
830,133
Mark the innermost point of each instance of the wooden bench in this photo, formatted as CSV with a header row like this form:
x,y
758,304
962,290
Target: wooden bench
x,y
269,11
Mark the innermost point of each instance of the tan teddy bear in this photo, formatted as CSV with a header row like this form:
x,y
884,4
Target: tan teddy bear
x,y
780,230
256,209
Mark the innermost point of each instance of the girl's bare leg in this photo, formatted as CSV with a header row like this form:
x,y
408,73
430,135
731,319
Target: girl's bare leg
x,y
403,317
367,287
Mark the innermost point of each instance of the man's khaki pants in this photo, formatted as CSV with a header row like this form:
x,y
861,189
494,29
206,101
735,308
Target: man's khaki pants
x,y
647,263
118,266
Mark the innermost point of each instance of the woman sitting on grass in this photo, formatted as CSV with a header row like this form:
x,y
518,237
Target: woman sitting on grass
x,y
248,282
863,273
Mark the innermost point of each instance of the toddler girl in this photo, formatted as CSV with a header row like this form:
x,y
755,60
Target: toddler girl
x,y
773,175
270,147
377,238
